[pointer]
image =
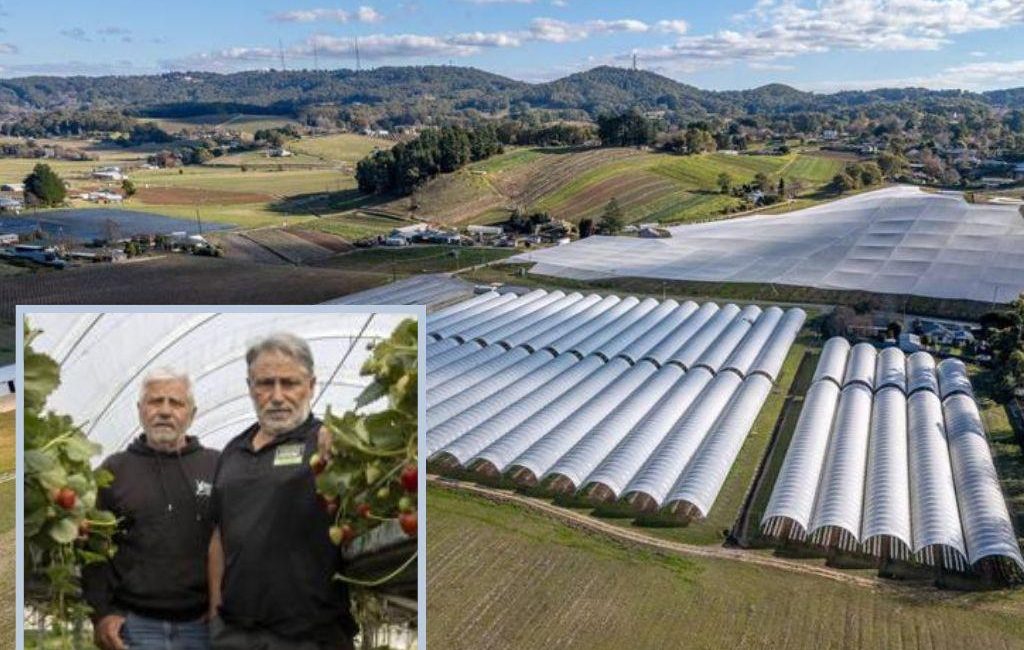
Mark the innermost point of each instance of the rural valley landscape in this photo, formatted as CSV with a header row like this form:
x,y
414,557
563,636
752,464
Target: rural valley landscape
x,y
725,305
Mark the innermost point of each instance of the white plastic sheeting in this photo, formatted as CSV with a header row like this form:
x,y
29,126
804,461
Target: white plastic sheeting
x,y
896,240
841,491
521,437
935,518
501,422
861,366
797,483
832,363
675,339
988,529
544,453
770,361
589,398
599,441
103,358
620,466
700,483
644,344
921,373
953,378
744,356
915,468
887,487
662,469
891,369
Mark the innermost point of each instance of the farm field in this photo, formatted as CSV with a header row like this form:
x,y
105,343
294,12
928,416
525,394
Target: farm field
x,y
338,148
577,183
178,279
415,259
505,577
235,122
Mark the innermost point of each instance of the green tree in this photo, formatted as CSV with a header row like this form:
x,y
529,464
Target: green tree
x,y
44,187
843,182
611,221
724,182
762,182
128,187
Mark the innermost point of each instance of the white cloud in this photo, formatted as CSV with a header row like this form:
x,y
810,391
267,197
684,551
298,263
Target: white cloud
x,y
113,30
673,26
386,46
500,2
8,48
978,76
559,3
368,15
71,68
776,29
364,14
979,54
487,39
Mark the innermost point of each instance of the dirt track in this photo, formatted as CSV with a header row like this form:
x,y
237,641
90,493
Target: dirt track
x,y
636,538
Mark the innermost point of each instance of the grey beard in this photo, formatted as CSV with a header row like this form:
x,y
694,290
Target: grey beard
x,y
273,428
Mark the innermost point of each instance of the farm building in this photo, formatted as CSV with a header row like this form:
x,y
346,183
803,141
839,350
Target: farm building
x,y
12,187
889,460
644,402
897,240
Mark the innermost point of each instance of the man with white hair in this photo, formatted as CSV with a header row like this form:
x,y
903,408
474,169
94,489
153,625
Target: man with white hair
x,y
272,563
153,593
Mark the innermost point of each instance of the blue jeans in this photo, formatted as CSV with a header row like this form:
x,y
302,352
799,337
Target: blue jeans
x,y
141,633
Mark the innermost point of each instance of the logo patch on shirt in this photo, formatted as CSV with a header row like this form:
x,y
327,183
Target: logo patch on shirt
x,y
288,455
203,489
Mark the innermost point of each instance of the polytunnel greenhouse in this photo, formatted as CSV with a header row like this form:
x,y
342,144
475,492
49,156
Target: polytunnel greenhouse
x,y
103,358
617,399
889,459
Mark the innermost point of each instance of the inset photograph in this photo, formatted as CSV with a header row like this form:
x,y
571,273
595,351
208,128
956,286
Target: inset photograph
x,y
236,477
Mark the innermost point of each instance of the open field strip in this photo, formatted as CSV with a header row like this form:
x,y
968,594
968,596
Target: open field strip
x,y
341,147
505,573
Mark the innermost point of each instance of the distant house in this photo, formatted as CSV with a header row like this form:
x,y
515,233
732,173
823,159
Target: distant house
x,y
8,239
109,174
12,187
830,134
910,342
104,197
10,205
278,152
485,231
1018,172
755,197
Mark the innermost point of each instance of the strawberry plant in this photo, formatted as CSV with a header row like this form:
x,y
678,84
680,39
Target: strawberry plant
x,y
370,476
63,528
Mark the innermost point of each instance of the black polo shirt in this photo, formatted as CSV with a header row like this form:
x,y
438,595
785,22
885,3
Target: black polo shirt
x,y
279,561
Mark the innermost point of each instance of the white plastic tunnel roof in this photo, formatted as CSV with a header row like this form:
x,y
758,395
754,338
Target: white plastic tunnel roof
x,y
609,395
104,357
877,459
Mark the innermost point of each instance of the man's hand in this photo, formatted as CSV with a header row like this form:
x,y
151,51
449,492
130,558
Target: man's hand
x,y
323,443
108,632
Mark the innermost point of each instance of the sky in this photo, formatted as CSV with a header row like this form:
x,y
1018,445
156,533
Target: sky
x,y
817,45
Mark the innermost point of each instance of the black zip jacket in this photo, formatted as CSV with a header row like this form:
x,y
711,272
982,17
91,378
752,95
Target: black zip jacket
x,y
162,498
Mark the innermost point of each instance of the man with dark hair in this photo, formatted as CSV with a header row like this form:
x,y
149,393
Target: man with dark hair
x,y
153,593
272,562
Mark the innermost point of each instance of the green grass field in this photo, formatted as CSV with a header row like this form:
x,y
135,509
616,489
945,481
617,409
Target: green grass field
x,y
235,122
504,577
341,147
